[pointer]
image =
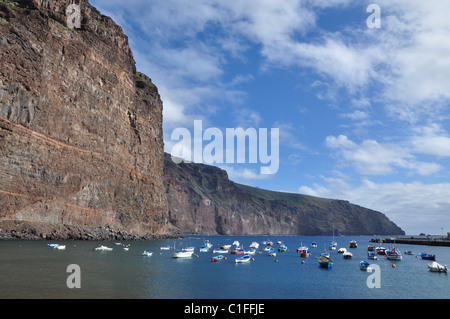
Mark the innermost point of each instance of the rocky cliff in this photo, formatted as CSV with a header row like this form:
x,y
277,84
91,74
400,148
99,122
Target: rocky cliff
x,y
81,141
202,200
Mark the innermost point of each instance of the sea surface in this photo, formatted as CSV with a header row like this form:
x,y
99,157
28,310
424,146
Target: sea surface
x,y
34,270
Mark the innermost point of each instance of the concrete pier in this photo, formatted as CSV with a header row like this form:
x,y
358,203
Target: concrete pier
x,y
428,241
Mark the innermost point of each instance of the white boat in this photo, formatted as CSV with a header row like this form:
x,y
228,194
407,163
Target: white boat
x,y
147,253
189,249
272,252
342,250
347,255
393,254
182,254
243,259
103,248
435,267
221,251
61,247
236,243
225,246
254,245
353,244
167,247
267,248
250,252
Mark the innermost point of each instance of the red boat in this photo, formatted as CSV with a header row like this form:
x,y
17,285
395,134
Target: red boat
x,y
237,252
427,256
381,250
217,258
303,251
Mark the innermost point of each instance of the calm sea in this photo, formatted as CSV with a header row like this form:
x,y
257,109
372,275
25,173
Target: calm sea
x,y
32,269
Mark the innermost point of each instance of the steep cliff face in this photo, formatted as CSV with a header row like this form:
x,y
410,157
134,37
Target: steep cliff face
x,y
80,130
202,200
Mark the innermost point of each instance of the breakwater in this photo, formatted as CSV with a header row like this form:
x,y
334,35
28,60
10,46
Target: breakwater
x,y
428,241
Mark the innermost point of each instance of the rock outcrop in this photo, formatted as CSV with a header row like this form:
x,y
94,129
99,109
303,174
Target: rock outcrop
x,y
202,200
80,130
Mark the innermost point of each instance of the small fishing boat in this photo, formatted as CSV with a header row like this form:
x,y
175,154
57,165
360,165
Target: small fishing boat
x,y
282,248
325,254
250,252
347,255
167,247
237,251
103,248
188,249
380,250
147,253
353,244
333,246
225,247
182,254
254,245
221,251
371,247
269,243
372,255
52,245
364,265
236,243
313,244
60,247
304,251
243,259
267,248
409,252
272,252
435,267
325,262
427,256
342,250
217,258
393,253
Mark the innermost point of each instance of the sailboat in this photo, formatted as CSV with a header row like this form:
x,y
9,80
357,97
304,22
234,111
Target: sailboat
x,y
333,243
393,253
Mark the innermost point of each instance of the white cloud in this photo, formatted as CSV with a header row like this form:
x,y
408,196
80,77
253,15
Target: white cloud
x,y
415,207
373,158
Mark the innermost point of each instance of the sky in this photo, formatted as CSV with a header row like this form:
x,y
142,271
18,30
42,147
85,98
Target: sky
x,y
358,91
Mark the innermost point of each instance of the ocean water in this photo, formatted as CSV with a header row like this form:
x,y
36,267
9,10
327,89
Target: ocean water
x,y
33,270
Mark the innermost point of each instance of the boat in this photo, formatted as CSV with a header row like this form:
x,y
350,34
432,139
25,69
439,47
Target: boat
x,y
61,247
347,255
333,246
250,252
205,247
393,253
126,248
325,254
167,247
364,265
243,259
182,254
435,267
217,258
268,248
272,252
427,256
372,255
254,245
269,243
221,251
279,242
237,251
147,253
380,250
325,262
353,244
236,243
409,252
304,251
188,249
342,250
103,248
313,244
225,247
371,247
282,248
52,245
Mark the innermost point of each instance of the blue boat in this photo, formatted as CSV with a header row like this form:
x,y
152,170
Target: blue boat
x,y
364,265
147,253
427,256
325,262
372,255
217,258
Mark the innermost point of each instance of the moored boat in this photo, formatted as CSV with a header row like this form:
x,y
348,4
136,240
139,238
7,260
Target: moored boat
x,y
342,250
221,251
372,255
427,256
371,247
217,258
409,252
167,247
304,252
243,259
188,249
272,252
282,248
347,255
393,253
353,244
435,267
182,254
103,248
313,244
147,253
225,247
380,250
325,262
254,245
364,265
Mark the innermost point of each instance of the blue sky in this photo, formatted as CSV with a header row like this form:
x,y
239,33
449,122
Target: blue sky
x,y
363,113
